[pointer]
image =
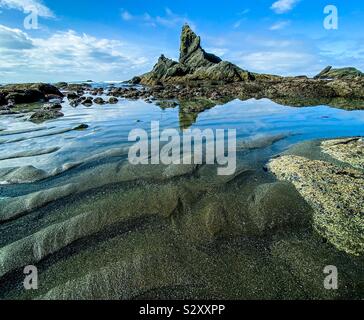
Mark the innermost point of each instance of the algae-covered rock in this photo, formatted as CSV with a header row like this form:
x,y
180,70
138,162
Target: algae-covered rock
x,y
341,73
349,150
335,194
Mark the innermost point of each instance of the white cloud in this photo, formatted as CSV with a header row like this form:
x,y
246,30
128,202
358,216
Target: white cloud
x,y
220,52
168,20
28,6
278,62
283,6
279,25
238,23
68,56
126,16
14,39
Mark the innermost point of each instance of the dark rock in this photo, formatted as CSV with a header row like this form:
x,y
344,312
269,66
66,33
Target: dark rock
x,y
52,106
87,102
3,100
81,127
99,101
113,100
27,96
72,95
136,80
28,93
75,103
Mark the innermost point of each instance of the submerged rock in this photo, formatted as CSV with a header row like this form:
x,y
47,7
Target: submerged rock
x,y
81,127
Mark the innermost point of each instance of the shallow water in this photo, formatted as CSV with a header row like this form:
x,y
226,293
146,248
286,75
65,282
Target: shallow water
x,y
97,227
109,127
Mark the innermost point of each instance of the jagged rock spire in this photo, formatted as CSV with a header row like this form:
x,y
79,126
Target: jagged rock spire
x,y
190,43
191,53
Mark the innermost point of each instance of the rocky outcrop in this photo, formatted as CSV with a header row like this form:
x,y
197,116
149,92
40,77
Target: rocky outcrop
x,y
28,93
201,74
194,64
342,73
333,188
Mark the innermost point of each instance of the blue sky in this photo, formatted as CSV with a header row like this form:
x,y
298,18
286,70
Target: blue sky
x,y
117,39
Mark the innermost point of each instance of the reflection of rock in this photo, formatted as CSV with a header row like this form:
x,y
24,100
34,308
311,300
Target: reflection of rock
x,y
260,141
340,103
187,119
336,194
190,109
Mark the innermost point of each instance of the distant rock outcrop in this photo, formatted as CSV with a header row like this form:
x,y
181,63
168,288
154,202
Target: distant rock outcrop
x,y
195,64
343,73
28,93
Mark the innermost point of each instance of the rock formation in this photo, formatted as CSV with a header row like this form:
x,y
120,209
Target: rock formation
x,y
332,186
28,93
194,64
343,73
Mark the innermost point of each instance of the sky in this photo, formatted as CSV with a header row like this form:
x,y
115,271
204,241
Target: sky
x,y
112,40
